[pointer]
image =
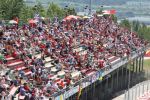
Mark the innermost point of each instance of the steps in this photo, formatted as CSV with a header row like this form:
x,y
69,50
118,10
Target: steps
x,y
17,65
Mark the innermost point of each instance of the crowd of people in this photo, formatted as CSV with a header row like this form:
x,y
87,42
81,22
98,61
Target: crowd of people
x,y
44,58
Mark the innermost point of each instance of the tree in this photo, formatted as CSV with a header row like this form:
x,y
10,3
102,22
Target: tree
x,y
38,8
54,10
100,10
69,11
114,18
26,13
10,8
125,23
136,25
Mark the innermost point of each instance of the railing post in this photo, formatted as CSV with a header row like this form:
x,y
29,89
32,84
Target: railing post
x,y
117,78
125,95
122,76
140,63
112,80
126,76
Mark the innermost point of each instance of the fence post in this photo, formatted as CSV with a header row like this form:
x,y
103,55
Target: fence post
x,y
125,95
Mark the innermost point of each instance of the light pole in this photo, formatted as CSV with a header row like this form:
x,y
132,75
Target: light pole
x,y
90,7
85,10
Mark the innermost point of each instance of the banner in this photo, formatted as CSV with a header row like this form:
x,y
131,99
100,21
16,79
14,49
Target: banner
x,y
71,92
100,76
60,97
95,77
85,83
79,92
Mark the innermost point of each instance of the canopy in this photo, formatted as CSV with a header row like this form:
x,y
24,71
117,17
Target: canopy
x,y
71,17
13,22
42,18
109,12
32,21
100,15
86,17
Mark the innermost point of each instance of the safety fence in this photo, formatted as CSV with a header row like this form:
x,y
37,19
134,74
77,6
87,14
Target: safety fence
x,y
139,92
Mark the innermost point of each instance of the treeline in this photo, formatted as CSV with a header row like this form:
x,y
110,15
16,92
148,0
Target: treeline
x,y
142,30
17,8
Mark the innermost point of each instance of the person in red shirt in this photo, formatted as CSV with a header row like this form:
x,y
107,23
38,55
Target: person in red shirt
x,y
101,63
26,87
62,84
14,54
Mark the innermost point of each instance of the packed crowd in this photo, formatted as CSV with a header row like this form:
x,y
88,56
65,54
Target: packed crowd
x,y
41,59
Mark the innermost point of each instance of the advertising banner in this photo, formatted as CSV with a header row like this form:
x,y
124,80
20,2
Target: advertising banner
x,y
71,92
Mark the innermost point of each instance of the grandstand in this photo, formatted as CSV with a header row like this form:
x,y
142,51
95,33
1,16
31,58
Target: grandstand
x,y
64,60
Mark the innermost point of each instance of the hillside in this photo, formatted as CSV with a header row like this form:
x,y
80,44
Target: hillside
x,y
125,8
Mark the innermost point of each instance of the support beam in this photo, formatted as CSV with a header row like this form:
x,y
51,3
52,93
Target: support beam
x,y
142,62
136,65
112,82
133,73
139,64
129,76
126,74
133,65
117,84
122,76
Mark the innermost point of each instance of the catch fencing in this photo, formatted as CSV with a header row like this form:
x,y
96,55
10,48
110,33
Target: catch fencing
x,y
139,92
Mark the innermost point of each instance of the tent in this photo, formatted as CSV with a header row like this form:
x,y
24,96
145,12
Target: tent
x,y
32,21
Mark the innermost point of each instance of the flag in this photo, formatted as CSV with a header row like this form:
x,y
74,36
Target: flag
x,y
100,78
61,97
109,12
79,92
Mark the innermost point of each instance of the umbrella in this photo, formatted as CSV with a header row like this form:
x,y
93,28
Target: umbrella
x,y
12,22
100,15
42,18
71,17
86,17
32,21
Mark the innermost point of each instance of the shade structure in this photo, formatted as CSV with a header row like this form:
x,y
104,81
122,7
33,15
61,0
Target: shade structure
x,y
32,21
70,17
100,15
13,22
42,18
86,17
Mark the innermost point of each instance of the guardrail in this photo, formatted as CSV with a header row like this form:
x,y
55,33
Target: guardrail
x,y
84,82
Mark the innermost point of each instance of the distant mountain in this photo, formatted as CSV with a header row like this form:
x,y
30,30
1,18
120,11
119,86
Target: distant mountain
x,y
108,2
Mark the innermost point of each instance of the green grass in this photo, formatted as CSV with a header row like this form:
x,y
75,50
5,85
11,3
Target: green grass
x,y
147,64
